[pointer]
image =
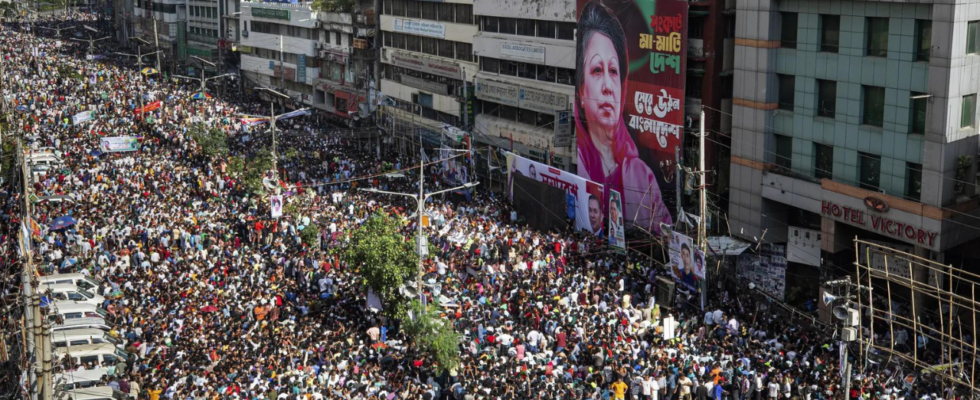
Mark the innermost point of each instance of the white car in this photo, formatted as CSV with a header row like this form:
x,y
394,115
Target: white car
x,y
69,291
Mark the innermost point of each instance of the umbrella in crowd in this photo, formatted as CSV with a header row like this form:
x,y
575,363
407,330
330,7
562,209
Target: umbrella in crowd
x,y
149,71
200,96
62,222
23,108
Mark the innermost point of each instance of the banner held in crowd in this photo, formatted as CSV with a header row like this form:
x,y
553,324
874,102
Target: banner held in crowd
x,y
81,117
118,144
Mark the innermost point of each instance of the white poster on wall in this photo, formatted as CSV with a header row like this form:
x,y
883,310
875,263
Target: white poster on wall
x,y
421,28
522,52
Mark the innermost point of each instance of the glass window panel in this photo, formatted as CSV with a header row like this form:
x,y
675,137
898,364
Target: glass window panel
x,y
788,30
877,37
874,105
829,33
826,98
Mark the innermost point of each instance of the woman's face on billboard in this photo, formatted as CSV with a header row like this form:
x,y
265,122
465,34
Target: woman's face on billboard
x,y
601,90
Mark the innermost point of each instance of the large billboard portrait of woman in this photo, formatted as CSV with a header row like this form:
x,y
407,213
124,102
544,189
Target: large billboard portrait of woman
x,y
628,101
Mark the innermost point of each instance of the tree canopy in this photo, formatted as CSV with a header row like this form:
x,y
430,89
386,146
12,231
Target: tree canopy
x,y
384,259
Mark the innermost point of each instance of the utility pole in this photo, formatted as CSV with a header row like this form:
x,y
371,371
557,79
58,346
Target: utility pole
x,y
703,203
156,41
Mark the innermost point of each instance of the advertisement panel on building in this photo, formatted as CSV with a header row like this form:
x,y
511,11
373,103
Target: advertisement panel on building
x,y
584,197
686,261
421,28
498,92
617,235
427,65
630,88
563,128
541,100
522,52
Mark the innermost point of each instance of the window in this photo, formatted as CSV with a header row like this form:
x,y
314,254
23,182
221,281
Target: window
x,y
874,105
787,30
446,12
923,39
918,111
413,9
336,38
89,359
787,91
525,27
823,161
429,10
429,45
464,51
972,30
566,30
490,24
826,98
877,40
508,26
784,152
913,181
829,33
968,111
546,29
870,170
489,64
446,49
79,342
398,7
464,13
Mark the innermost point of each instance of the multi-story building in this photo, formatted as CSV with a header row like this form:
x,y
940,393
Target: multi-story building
x,y
347,52
163,23
426,60
527,75
856,119
204,26
279,47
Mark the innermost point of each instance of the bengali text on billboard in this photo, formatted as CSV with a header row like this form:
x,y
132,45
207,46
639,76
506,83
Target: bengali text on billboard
x,y
629,98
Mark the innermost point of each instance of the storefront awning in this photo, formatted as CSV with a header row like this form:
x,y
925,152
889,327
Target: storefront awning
x,y
726,246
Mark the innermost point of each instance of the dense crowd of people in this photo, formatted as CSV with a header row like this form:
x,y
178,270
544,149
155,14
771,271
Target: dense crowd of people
x,y
214,299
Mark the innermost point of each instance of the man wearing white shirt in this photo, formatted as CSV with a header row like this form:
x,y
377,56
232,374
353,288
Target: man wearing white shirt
x,y
650,388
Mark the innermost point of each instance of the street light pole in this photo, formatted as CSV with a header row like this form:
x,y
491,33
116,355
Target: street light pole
x,y
421,244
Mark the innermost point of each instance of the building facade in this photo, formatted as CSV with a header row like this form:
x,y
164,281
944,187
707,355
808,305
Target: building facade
x,y
162,23
527,76
279,47
856,119
427,61
347,54
204,26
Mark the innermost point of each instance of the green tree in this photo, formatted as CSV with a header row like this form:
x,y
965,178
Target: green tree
x,y
251,170
435,335
213,142
337,6
310,235
384,260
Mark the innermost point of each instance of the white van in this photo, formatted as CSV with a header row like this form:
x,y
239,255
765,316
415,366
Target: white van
x,y
102,354
79,337
64,311
94,393
68,381
67,291
80,323
80,280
